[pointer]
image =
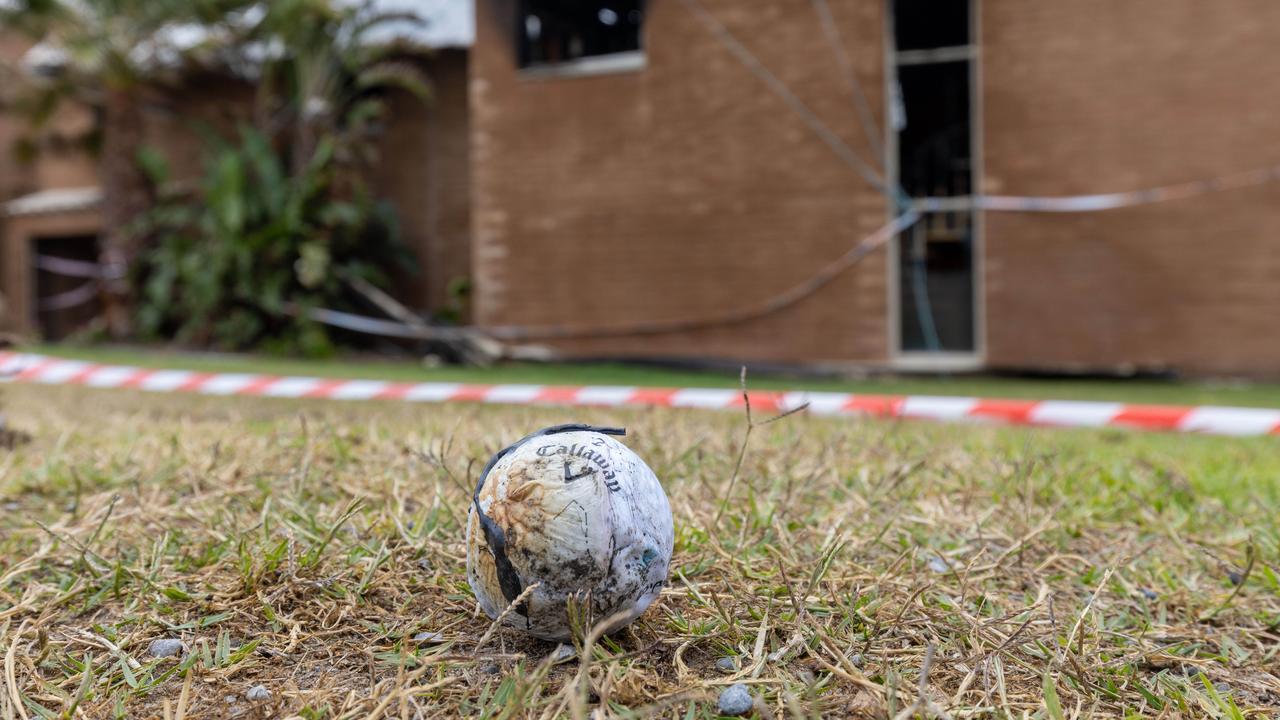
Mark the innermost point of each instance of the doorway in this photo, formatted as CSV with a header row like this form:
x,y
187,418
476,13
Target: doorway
x,y
933,130
65,303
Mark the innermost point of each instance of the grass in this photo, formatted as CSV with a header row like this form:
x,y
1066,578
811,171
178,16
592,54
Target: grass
x,y
1237,393
855,569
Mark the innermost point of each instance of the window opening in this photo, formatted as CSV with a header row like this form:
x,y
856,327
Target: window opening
x,y
552,32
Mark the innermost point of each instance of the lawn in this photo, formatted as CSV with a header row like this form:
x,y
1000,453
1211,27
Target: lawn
x,y
853,568
1205,392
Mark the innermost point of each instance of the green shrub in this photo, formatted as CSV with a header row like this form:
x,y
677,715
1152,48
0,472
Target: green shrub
x,y
238,263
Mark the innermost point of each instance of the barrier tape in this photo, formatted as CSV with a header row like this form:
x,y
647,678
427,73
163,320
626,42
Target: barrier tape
x,y
79,295
1212,420
68,267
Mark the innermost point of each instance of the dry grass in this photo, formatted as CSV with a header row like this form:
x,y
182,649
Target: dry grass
x,y
859,569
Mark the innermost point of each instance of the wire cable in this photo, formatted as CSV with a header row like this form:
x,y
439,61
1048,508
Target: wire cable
x,y
779,88
519,333
865,117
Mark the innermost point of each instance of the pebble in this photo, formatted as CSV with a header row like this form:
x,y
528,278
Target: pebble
x,y
166,647
938,565
856,659
230,699
428,637
1149,594
1235,577
256,693
491,669
563,653
735,701
727,665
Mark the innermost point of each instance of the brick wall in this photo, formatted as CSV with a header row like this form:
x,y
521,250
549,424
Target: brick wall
x,y
1100,96
685,188
10,49
423,169
62,161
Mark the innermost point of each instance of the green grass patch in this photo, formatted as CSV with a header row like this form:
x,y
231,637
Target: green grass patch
x,y
301,546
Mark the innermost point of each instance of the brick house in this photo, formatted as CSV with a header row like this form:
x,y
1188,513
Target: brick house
x,y
664,178
49,206
643,161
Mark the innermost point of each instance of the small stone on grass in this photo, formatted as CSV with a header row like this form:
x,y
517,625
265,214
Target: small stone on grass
x,y
428,637
938,565
256,693
166,647
735,701
563,653
727,665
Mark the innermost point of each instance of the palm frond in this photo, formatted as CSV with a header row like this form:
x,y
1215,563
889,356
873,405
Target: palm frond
x,y
395,75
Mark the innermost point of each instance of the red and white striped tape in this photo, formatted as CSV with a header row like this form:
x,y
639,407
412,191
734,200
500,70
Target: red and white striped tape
x,y
45,370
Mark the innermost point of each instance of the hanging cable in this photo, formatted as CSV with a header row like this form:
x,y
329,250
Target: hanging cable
x,y
896,195
746,313
920,288
865,118
779,88
918,260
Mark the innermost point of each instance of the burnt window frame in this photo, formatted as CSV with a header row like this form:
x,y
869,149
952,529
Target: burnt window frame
x,y
928,53
595,64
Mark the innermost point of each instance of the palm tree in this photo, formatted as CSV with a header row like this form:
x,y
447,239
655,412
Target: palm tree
x,y
333,61
103,53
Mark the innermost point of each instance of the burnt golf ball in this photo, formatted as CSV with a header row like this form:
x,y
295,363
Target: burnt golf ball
x,y
577,512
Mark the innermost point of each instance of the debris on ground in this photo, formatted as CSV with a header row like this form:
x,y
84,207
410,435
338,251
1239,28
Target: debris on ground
x,y
166,647
735,701
564,652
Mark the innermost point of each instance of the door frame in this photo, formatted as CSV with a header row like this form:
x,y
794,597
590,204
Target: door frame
x,y
917,360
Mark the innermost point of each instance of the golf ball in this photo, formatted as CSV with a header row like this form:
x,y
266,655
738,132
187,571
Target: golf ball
x,y
576,512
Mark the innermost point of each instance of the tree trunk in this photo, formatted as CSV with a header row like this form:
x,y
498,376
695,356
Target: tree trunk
x,y
126,195
304,146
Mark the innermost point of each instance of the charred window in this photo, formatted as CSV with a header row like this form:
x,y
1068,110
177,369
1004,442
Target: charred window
x,y
561,31
928,24
937,290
